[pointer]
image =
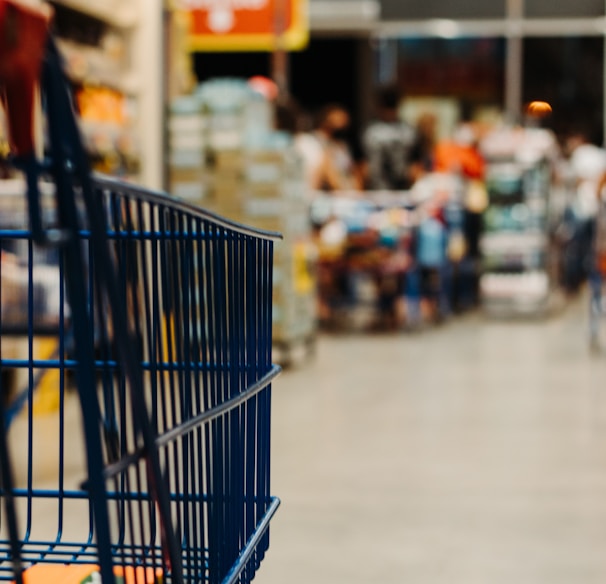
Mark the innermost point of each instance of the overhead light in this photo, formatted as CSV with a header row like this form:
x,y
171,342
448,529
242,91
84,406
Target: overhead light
x,y
444,28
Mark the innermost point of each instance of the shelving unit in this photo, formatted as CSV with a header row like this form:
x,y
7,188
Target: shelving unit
x,y
117,49
515,245
226,156
113,55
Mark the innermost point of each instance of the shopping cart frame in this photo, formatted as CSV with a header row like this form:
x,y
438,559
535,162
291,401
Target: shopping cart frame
x,y
104,233
109,186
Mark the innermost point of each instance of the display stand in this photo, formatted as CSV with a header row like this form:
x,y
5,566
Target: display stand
x,y
515,245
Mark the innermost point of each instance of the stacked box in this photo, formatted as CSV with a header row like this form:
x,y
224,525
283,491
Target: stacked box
x,y
187,145
294,315
226,180
224,105
252,175
275,201
265,189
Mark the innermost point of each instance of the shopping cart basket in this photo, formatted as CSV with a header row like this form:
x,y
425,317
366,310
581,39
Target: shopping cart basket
x,y
169,312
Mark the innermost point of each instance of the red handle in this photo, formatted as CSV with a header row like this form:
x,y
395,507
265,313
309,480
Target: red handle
x,y
23,34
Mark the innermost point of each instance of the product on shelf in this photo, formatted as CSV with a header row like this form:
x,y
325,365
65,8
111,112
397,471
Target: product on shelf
x,y
515,244
108,129
96,42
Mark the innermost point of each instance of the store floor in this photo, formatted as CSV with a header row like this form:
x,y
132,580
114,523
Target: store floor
x,y
473,453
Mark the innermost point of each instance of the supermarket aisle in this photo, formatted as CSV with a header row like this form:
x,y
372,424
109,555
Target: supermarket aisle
x,y
471,454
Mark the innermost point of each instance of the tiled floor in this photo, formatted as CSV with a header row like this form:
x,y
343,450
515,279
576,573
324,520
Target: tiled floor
x,y
474,453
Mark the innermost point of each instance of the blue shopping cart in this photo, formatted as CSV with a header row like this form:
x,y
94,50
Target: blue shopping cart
x,y
168,312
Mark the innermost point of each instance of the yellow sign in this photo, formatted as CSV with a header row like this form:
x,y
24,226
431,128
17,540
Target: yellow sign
x,y
247,25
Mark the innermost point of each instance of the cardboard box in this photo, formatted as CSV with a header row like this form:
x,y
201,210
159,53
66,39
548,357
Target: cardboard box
x,y
266,208
187,141
187,123
187,159
185,175
220,140
267,156
265,190
264,172
223,201
231,161
192,192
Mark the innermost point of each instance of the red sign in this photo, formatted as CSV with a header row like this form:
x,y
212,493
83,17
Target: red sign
x,y
240,25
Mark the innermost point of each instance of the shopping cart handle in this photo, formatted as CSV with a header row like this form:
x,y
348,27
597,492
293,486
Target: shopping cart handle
x,y
32,169
23,35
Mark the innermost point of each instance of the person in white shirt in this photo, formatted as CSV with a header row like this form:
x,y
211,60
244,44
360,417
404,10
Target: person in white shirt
x,y
327,157
586,167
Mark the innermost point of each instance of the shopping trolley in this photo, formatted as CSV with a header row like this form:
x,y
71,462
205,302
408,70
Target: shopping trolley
x,y
168,312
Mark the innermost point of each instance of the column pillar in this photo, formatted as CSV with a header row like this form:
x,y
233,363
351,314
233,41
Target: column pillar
x,y
514,60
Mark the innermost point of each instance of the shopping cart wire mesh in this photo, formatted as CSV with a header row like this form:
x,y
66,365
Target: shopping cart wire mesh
x,y
199,290
169,309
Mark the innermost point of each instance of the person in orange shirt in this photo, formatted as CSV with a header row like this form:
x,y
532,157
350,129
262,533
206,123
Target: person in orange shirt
x,y
460,154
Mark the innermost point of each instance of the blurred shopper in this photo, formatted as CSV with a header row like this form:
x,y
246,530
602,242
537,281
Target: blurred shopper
x,y
598,267
290,118
461,156
307,144
423,150
431,249
328,159
587,163
387,144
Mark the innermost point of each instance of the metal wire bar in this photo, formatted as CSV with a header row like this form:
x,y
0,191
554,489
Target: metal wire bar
x,y
176,399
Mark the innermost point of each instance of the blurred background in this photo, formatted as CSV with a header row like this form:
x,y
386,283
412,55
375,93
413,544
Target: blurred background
x,y
437,172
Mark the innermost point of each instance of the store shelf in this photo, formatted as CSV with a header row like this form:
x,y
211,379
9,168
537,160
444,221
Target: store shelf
x,y
112,52
116,13
88,65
